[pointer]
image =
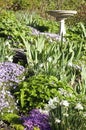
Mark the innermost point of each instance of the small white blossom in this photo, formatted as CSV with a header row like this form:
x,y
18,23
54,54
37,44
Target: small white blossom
x,y
44,111
49,59
41,65
57,120
79,106
62,91
64,103
51,104
65,114
50,101
55,99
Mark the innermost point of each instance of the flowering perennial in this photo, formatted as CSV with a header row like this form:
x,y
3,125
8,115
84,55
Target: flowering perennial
x,y
10,72
67,111
36,119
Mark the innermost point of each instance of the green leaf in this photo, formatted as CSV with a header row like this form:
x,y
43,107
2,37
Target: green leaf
x,y
22,97
40,43
83,29
18,127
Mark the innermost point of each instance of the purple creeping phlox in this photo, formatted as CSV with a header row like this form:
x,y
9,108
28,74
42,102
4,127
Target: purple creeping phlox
x,y
10,72
36,119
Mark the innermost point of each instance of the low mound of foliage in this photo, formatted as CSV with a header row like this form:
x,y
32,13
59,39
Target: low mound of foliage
x,y
37,90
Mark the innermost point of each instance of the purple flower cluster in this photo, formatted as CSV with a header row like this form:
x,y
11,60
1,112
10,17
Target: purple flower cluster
x,y
36,119
10,72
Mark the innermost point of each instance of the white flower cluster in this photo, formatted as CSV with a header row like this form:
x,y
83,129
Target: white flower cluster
x,y
52,104
64,103
79,106
44,111
57,120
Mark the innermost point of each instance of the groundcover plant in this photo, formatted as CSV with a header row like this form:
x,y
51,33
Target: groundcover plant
x,y
10,72
36,120
9,78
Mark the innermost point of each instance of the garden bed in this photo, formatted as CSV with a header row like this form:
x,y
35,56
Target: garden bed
x,y
42,80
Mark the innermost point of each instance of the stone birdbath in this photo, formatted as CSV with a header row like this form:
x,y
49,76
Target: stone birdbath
x,y
60,16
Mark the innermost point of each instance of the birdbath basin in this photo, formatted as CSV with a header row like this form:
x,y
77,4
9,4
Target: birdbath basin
x,y
60,16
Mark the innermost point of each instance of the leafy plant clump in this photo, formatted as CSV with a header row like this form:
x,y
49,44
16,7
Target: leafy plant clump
x,y
11,29
36,91
12,120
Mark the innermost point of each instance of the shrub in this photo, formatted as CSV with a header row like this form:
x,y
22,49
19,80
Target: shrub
x,y
11,29
36,91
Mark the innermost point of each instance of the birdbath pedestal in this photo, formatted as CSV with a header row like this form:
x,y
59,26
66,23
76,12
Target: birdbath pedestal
x,y
60,16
